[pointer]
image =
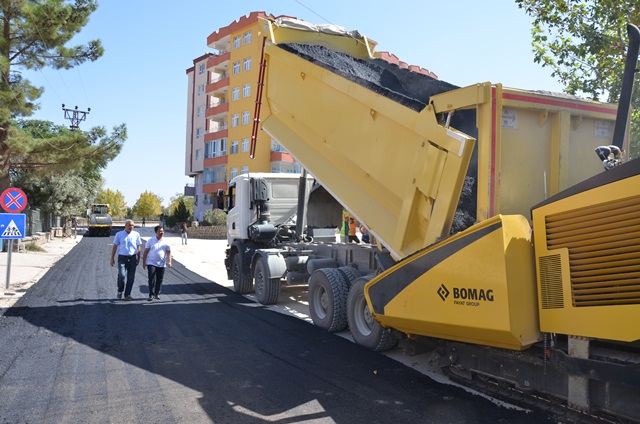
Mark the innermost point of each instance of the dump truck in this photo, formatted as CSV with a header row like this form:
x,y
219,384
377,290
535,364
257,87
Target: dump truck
x,y
100,220
503,248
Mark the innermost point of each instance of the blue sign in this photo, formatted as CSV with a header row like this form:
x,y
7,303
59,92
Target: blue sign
x,y
12,225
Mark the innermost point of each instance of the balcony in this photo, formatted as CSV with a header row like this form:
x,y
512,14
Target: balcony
x,y
218,86
279,156
217,59
221,132
217,110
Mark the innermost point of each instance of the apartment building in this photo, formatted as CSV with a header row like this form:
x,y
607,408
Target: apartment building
x,y
221,113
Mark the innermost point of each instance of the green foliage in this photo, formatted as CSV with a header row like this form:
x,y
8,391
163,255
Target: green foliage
x,y
170,221
584,43
59,169
175,201
215,217
36,35
115,200
62,195
148,205
181,213
32,247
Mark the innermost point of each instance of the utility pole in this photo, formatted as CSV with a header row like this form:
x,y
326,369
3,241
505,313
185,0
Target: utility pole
x,y
75,116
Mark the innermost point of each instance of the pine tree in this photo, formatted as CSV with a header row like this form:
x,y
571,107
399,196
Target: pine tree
x,y
35,35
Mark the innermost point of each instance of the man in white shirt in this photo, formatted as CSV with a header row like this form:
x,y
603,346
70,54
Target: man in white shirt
x,y
157,255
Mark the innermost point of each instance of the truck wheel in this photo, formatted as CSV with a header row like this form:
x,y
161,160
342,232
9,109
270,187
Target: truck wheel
x,y
350,274
267,288
328,290
365,330
241,284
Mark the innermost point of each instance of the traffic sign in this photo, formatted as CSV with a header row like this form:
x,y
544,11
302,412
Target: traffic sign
x,y
12,225
13,200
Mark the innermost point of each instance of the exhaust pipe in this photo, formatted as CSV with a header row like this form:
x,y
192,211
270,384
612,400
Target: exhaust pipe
x,y
624,105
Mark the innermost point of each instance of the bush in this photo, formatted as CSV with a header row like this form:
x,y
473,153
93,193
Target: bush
x,y
32,247
215,217
170,221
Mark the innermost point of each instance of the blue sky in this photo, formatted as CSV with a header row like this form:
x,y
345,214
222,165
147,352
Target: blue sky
x,y
141,79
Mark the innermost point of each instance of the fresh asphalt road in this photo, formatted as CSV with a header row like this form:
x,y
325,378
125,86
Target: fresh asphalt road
x,y
71,353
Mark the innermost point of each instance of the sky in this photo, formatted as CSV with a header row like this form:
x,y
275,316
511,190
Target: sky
x,y
141,79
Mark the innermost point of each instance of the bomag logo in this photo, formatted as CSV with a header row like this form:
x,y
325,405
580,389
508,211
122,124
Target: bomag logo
x,y
466,296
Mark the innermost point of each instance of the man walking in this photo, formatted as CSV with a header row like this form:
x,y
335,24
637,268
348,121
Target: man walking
x,y
157,255
127,244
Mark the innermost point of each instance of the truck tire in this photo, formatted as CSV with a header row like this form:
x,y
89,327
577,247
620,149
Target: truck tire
x,y
241,284
350,274
328,290
365,330
267,288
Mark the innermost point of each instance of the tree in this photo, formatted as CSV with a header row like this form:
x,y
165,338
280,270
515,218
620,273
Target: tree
x,y
584,44
148,205
175,201
61,195
34,36
115,200
181,214
45,154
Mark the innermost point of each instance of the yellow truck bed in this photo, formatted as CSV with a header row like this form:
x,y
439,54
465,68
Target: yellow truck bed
x,y
397,148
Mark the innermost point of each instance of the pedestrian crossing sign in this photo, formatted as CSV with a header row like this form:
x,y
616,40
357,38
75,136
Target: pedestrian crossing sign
x,y
12,225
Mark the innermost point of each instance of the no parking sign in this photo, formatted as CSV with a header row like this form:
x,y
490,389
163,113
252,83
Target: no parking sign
x,y
13,200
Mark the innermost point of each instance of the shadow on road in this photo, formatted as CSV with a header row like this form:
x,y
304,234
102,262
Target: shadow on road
x,y
238,361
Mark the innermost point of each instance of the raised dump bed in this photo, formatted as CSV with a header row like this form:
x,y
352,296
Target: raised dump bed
x,y
398,147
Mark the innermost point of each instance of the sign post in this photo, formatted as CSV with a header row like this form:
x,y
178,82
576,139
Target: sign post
x,y
12,224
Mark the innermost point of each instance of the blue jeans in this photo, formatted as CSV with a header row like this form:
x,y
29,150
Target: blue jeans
x,y
184,237
126,271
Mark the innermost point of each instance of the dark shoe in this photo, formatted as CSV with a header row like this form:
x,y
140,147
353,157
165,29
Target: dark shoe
x,y
150,298
156,297
119,295
128,298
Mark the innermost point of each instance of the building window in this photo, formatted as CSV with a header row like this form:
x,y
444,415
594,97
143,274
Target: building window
x,y
245,169
198,132
246,117
200,89
285,167
235,93
236,68
247,37
246,90
201,68
207,199
215,174
234,146
235,120
198,154
245,144
246,64
215,148
200,110
234,173
236,41
276,147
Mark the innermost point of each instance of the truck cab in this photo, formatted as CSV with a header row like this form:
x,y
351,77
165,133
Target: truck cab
x,y
251,193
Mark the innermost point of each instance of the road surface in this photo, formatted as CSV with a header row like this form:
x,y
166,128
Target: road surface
x,y
70,353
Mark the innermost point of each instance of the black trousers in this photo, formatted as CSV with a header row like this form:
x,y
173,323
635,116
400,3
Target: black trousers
x,y
156,275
